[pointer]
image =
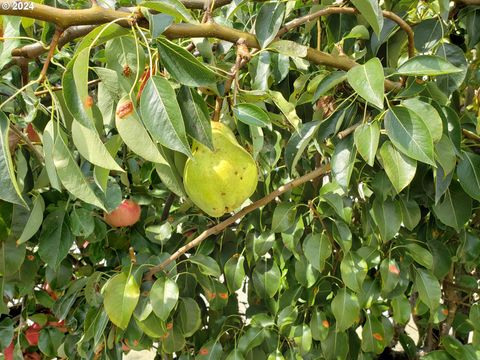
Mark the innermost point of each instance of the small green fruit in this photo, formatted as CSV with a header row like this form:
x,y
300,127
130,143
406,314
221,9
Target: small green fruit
x,y
220,181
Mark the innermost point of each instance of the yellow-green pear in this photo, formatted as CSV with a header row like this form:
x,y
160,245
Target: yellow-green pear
x,y
220,181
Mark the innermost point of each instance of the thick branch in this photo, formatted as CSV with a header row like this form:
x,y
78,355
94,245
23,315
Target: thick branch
x,y
347,10
175,31
35,50
232,219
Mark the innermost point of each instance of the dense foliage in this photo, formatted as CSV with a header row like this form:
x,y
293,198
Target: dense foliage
x,y
382,236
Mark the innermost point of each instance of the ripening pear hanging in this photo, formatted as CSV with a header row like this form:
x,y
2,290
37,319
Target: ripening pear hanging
x,y
220,181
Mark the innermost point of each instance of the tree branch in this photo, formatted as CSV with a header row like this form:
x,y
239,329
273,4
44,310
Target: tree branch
x,y
232,219
347,10
51,52
67,18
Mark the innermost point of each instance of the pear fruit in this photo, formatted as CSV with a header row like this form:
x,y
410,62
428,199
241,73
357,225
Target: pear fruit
x,y
220,181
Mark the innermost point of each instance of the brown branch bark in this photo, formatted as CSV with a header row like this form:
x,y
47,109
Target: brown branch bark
x,y
51,52
66,18
232,219
347,10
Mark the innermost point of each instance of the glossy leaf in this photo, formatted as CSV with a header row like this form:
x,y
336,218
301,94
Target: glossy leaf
x,y
195,114
455,208
346,309
266,278
366,140
173,8
428,289
399,168
468,172
163,297
251,115
317,249
183,66
121,294
189,316
55,239
428,114
70,174
388,217
298,143
234,272
9,190
206,265
268,22
409,134
34,220
368,81
329,82
287,109
372,12
429,65
162,116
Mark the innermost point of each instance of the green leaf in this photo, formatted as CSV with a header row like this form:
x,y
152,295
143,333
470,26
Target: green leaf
x,y
234,272
283,217
401,309
346,309
411,214
456,349
468,172
206,265
75,89
343,161
55,239
173,8
329,82
420,255
189,316
354,270
268,22
10,33
336,346
134,134
287,108
317,249
34,220
289,48
82,221
102,34
235,354
48,146
409,134
6,333
390,273
428,288
266,278
437,355
298,143
169,174
428,114
195,114
9,190
319,325
445,154
429,65
164,297
371,11
70,174
388,217
12,257
89,145
471,17
126,57
121,295
366,138
49,341
162,116
400,169
455,208
183,66
251,115
373,335
101,174
368,81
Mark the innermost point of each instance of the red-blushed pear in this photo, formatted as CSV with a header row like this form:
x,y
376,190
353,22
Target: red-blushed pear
x,y
8,351
32,334
126,214
32,134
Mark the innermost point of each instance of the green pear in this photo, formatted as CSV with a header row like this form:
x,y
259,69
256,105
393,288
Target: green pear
x,y
220,181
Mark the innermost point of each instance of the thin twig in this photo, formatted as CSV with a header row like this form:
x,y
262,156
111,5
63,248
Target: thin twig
x,y
347,10
344,133
29,144
232,219
51,52
168,204
59,88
